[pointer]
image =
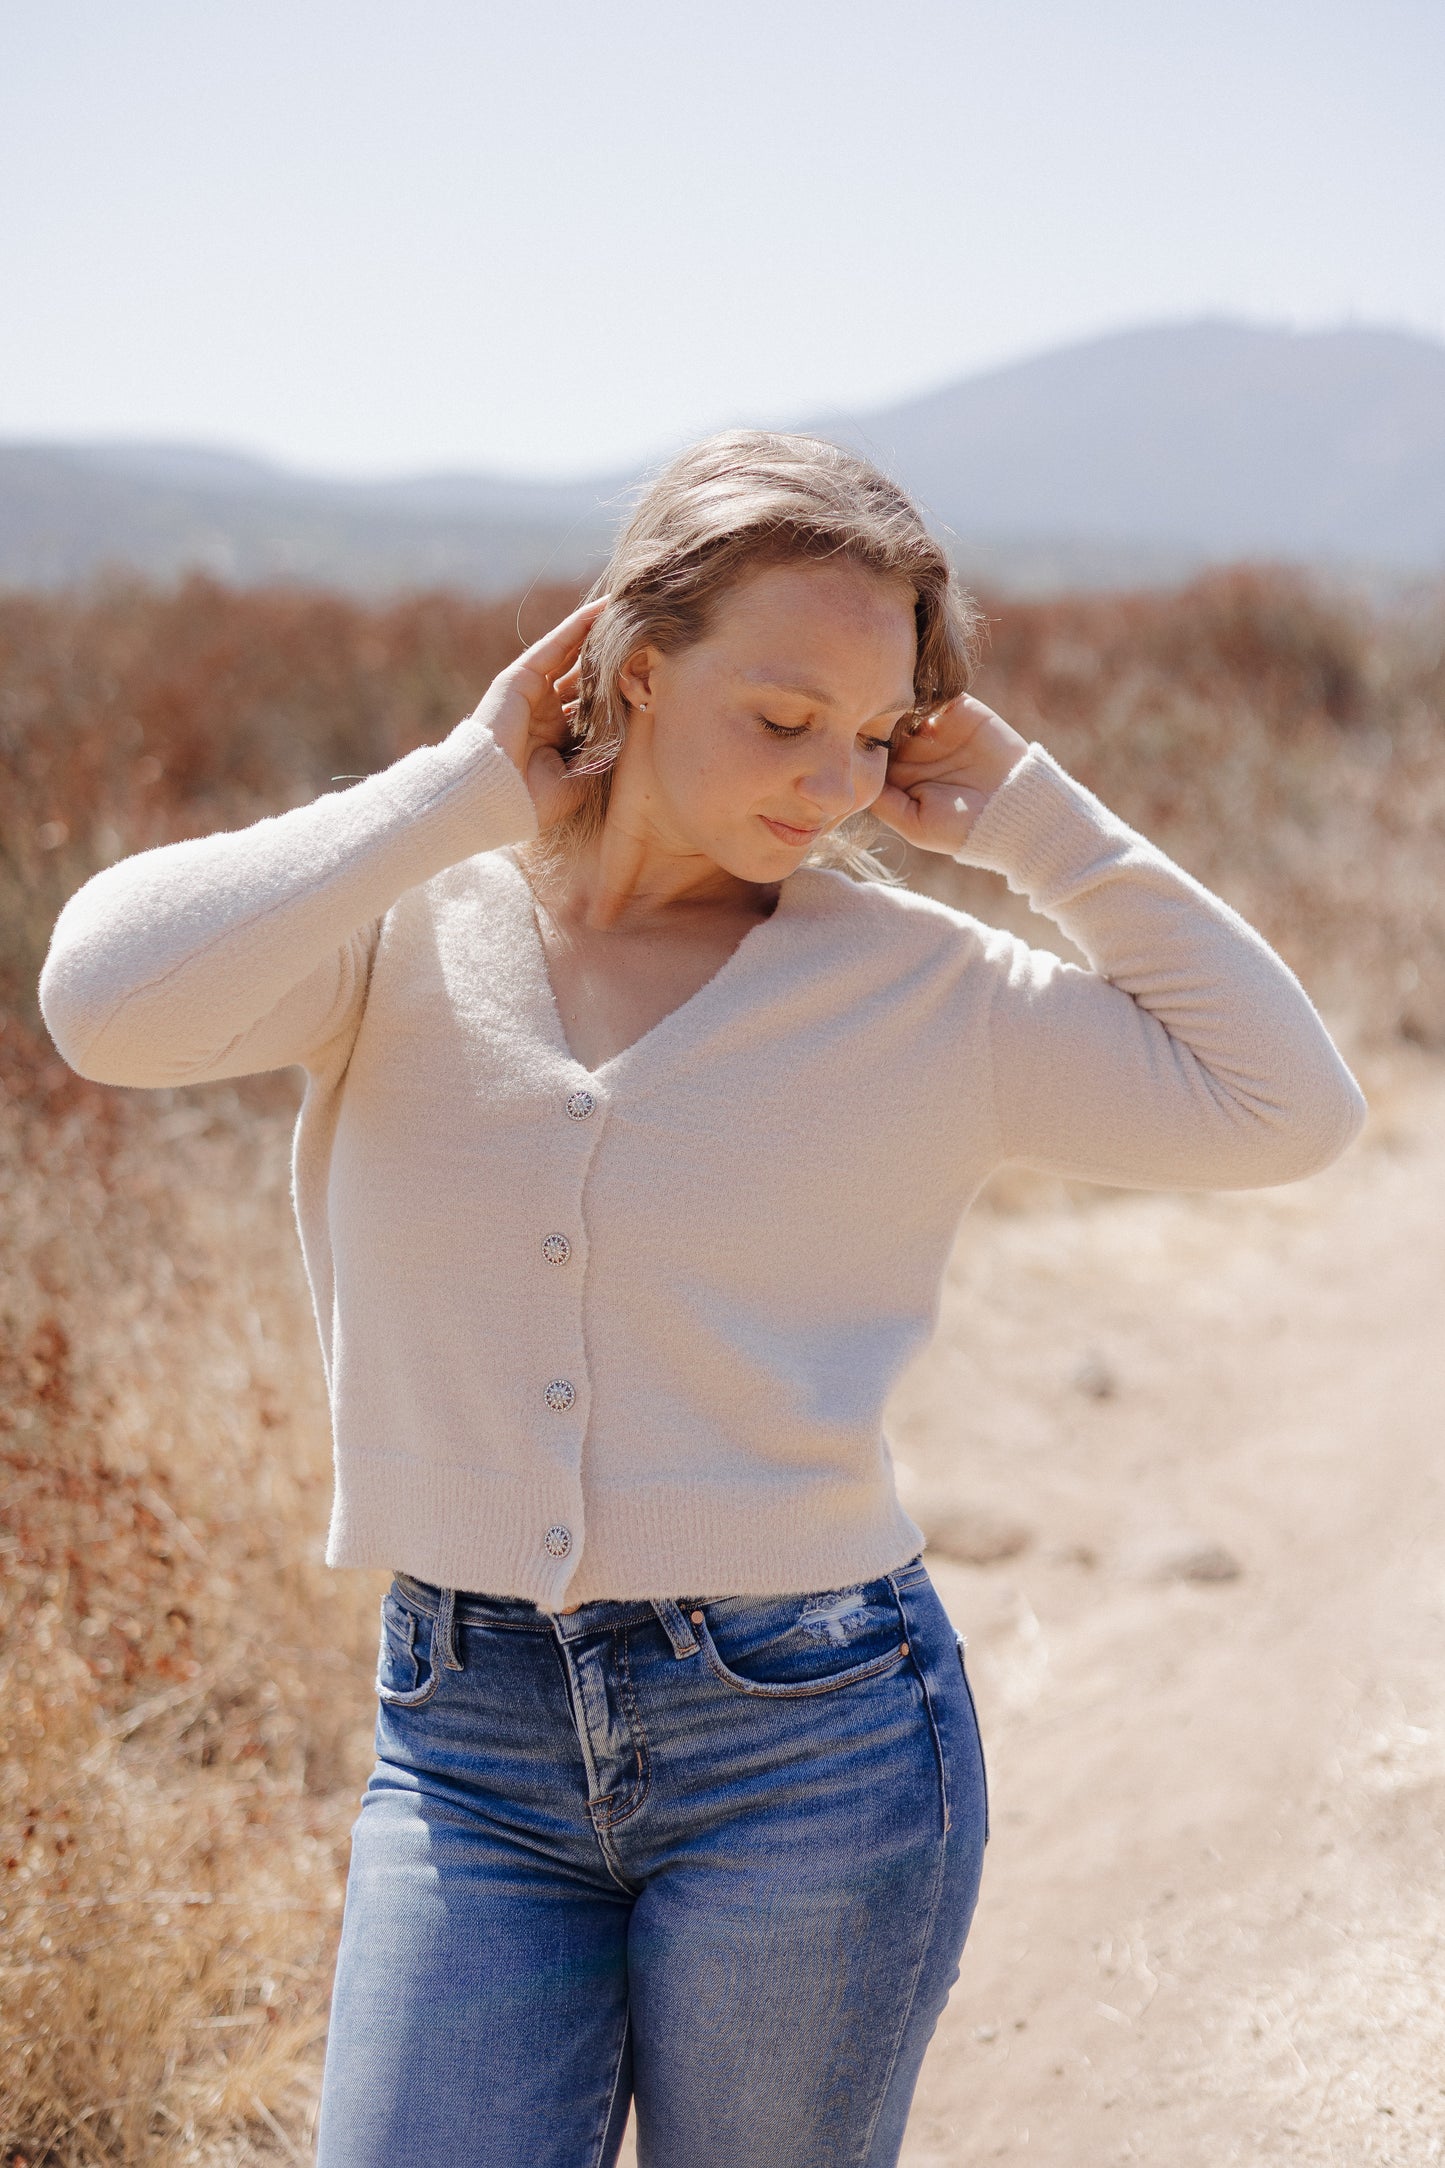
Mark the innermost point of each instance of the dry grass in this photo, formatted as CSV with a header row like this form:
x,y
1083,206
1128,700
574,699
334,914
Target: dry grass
x,y
185,1688
186,1700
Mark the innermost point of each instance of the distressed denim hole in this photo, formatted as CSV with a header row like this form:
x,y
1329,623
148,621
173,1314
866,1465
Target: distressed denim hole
x,y
836,1616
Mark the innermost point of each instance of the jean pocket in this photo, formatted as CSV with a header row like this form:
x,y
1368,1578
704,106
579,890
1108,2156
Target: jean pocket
x,y
978,1729
785,1647
406,1672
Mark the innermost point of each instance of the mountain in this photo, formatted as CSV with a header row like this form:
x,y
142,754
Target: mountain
x,y
1125,459
1219,438
69,510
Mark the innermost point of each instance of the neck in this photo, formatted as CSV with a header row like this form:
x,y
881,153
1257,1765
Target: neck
x,y
633,873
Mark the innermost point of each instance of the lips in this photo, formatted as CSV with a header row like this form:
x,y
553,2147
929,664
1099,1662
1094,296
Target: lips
x,y
786,833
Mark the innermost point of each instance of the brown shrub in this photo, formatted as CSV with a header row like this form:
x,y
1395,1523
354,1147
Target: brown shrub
x,y
132,716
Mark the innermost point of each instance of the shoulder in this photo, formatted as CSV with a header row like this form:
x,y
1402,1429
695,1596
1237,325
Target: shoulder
x,y
883,916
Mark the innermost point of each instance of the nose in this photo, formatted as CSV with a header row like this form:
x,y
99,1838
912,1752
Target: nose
x,y
828,783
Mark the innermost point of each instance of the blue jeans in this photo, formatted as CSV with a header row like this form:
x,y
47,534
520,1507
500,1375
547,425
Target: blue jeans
x,y
718,1858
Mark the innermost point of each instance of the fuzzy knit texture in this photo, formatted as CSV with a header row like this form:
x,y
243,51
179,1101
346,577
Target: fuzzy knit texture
x,y
757,1198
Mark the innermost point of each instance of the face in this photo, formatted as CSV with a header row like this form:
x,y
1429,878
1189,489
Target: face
x,y
774,727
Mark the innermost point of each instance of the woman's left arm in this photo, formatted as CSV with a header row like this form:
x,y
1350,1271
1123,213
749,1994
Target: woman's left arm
x,y
1189,1056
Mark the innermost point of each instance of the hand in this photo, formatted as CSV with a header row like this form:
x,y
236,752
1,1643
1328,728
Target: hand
x,y
527,707
942,774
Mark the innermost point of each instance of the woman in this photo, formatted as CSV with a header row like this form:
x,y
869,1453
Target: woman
x,y
634,1143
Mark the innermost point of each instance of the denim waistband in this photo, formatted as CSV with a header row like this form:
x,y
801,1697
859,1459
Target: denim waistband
x,y
471,1607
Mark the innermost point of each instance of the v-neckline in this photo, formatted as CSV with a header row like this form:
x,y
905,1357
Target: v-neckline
x,y
666,1027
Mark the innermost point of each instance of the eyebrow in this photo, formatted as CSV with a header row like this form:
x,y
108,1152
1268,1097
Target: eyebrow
x,y
825,700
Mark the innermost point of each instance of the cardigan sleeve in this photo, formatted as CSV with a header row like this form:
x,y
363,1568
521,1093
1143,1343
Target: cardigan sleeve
x,y
1189,1056
251,949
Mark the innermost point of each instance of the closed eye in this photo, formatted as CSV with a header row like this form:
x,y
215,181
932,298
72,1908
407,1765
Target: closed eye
x,y
782,730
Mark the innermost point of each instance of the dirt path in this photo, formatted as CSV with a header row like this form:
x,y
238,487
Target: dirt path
x,y
1213,1908
1212,1926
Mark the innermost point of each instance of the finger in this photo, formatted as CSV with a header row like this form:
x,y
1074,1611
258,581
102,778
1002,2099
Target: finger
x,y
568,681
557,647
918,744
900,812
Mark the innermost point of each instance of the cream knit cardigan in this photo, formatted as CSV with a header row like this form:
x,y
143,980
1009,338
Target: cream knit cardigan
x,y
755,1201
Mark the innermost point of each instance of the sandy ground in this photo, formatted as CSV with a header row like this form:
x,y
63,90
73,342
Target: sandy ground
x,y
1213,1911
1210,1679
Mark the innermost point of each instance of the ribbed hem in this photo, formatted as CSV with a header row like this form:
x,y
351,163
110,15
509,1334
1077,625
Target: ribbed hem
x,y
457,1524
463,1527
711,1539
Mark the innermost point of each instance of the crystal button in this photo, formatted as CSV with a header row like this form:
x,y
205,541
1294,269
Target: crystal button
x,y
556,1249
558,1541
580,1104
559,1396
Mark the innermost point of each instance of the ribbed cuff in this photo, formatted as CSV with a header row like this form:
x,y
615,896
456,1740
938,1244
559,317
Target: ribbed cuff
x,y
1044,832
461,796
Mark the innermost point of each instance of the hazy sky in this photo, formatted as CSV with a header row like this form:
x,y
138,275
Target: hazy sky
x,y
550,237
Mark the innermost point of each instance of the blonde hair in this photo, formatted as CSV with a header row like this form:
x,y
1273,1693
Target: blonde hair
x,y
719,511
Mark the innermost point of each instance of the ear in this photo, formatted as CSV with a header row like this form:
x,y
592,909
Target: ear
x,y
634,679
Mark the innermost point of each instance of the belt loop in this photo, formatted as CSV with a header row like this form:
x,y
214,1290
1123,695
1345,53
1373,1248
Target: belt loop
x,y
446,1646
675,1626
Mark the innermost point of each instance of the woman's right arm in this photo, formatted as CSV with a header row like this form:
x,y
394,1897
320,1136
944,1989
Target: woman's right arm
x,y
250,949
